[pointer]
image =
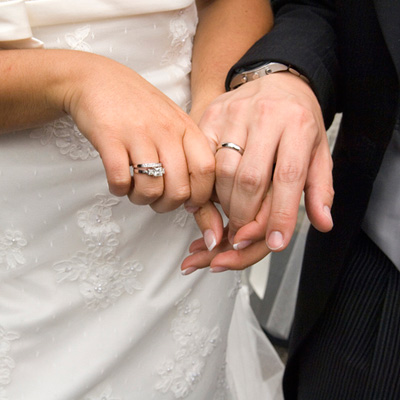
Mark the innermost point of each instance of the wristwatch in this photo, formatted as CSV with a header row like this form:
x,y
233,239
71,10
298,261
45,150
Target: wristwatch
x,y
265,69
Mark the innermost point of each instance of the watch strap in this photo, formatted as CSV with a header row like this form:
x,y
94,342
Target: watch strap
x,y
265,69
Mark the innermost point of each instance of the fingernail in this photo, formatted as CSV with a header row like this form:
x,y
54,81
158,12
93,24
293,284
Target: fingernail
x,y
189,270
216,270
209,239
327,212
242,245
231,237
191,209
275,240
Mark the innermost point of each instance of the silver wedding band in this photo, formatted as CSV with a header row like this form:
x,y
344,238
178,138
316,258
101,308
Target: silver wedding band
x,y
150,169
233,146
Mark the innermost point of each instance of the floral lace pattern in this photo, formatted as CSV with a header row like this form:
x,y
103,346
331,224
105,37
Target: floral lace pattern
x,y
100,273
194,345
181,217
237,285
11,245
76,40
67,137
181,35
7,364
106,394
63,132
222,392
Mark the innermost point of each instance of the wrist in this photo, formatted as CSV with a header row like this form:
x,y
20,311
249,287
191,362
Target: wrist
x,y
265,69
201,102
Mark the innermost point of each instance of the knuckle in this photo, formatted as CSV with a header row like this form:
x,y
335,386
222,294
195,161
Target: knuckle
x,y
236,222
207,169
249,180
263,105
283,216
225,170
161,208
201,215
299,113
304,117
236,106
331,192
212,113
181,194
151,193
119,185
288,173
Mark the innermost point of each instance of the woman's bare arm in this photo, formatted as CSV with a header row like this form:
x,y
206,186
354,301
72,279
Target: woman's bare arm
x,y
226,30
126,119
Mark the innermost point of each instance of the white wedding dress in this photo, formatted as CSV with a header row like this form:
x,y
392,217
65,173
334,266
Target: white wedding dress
x,y
92,302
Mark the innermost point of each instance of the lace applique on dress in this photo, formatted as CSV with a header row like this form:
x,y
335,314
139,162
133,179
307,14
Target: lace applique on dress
x,y
237,285
63,132
222,392
106,394
181,35
181,216
66,136
194,345
101,275
7,364
11,245
76,40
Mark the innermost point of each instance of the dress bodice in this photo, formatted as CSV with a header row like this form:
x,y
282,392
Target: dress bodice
x,y
92,302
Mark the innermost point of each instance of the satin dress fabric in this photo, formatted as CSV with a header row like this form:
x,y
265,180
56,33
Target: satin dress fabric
x,y
92,302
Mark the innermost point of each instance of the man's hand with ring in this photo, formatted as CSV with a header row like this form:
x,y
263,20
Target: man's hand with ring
x,y
278,122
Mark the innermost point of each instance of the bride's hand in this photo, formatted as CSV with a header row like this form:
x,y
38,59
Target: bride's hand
x,y
130,122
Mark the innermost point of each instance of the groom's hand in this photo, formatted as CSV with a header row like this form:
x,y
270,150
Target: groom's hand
x,y
278,122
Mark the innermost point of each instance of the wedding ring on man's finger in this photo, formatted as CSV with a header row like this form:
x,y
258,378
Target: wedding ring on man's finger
x,y
151,169
233,146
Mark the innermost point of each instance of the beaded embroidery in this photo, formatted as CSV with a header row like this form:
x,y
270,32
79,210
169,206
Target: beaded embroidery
x,y
7,364
67,137
100,273
11,244
181,35
222,392
106,394
194,345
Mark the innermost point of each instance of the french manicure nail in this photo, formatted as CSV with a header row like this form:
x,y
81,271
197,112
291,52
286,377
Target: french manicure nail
x,y
242,245
189,270
275,240
216,270
209,239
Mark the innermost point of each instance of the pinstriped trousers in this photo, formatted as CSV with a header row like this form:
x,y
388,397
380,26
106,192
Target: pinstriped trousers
x,y
354,350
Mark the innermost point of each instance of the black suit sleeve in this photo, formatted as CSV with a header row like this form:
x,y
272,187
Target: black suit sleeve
x,y
304,37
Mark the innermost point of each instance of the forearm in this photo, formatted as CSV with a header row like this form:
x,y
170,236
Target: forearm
x,y
36,85
227,28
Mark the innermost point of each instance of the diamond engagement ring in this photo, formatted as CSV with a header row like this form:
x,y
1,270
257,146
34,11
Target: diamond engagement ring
x,y
151,169
233,146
